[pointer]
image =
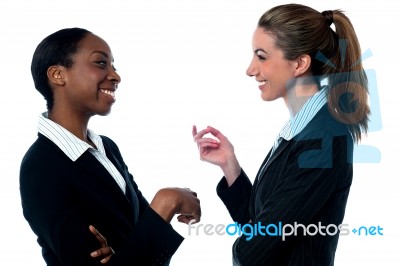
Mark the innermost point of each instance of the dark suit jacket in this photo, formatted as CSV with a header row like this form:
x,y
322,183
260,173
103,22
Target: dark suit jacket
x,y
61,198
306,181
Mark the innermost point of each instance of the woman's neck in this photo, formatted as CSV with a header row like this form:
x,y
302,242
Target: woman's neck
x,y
77,125
298,95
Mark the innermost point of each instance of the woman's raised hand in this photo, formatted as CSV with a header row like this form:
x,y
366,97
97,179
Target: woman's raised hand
x,y
218,151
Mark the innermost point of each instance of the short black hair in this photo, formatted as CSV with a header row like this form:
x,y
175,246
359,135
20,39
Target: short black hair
x,y
56,49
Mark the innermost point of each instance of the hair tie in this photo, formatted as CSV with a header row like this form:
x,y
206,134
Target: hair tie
x,y
328,14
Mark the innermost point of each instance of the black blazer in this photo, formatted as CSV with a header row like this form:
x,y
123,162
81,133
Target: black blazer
x,y
306,181
61,198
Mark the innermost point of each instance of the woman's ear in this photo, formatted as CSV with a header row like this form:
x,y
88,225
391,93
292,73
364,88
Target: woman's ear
x,y
303,64
55,75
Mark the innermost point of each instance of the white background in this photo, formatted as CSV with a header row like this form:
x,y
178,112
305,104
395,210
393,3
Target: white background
x,y
183,63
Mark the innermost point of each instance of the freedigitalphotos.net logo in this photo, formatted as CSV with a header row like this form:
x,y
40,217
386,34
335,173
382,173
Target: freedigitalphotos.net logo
x,y
281,230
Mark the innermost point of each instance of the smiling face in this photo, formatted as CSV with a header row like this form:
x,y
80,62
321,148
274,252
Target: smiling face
x,y
88,86
269,67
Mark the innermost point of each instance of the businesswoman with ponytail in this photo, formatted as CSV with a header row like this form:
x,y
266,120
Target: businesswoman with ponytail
x,y
306,176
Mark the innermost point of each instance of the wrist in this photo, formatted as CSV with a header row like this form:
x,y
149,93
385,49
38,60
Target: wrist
x,y
165,204
231,170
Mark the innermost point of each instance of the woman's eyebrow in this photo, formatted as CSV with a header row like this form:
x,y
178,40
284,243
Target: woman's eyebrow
x,y
260,50
100,52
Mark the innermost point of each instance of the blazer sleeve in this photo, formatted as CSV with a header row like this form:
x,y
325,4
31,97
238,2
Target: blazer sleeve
x,y
236,197
52,206
308,180
152,237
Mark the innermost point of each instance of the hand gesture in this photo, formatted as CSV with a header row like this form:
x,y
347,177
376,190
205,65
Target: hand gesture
x,y
182,201
105,252
218,151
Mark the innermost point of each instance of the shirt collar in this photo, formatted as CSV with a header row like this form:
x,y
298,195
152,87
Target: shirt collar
x,y
297,123
71,145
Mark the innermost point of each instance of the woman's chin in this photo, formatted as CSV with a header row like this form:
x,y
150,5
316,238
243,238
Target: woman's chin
x,y
267,98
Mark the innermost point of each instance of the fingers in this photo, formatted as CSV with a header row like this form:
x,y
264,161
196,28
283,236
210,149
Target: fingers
x,y
98,236
101,252
204,143
184,218
105,251
194,131
187,219
216,133
191,191
213,131
105,260
189,209
207,147
200,134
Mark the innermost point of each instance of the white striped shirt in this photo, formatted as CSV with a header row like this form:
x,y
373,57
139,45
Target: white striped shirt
x,y
74,147
297,123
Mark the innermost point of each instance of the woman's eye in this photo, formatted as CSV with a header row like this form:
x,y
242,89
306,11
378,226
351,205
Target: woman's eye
x,y
261,58
102,63
260,55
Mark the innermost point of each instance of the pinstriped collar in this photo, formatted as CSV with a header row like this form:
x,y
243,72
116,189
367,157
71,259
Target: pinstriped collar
x,y
71,145
297,123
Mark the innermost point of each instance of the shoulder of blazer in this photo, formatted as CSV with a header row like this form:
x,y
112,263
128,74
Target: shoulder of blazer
x,y
323,125
322,135
42,149
42,160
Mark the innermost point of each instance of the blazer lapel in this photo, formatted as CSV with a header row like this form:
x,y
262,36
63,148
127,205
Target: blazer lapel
x,y
91,165
270,158
94,168
130,191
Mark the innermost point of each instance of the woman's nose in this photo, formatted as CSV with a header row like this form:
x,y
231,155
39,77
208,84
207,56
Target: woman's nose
x,y
251,70
115,77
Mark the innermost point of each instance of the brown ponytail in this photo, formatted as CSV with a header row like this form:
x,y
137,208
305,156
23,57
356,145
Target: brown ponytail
x,y
348,94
